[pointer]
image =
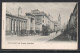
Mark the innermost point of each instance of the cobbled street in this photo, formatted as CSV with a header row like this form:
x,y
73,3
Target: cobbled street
x,y
32,38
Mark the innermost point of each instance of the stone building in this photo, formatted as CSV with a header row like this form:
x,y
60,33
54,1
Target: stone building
x,y
33,23
57,24
38,20
72,24
15,24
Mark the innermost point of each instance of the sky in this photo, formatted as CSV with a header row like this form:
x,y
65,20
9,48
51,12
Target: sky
x,y
52,8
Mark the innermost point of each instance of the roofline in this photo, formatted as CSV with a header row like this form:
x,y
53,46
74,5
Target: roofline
x,y
15,16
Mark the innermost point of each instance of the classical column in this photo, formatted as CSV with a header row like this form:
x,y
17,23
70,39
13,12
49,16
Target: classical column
x,y
15,26
24,25
33,25
20,25
9,26
12,26
28,25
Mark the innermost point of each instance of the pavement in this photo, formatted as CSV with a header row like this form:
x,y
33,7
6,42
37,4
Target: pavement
x,y
38,42
32,38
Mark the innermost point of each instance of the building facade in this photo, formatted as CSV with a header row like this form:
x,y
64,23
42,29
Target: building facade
x,y
72,24
57,24
35,22
14,24
38,20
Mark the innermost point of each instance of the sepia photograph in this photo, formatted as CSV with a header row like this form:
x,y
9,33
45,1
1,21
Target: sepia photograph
x,y
40,25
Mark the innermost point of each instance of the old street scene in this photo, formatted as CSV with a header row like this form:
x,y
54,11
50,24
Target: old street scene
x,y
39,22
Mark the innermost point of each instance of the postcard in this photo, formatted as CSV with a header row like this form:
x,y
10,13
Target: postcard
x,y
40,25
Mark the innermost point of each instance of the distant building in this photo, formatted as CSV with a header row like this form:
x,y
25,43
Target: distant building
x,y
57,24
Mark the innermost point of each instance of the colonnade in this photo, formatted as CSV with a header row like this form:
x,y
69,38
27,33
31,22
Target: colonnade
x,y
15,25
